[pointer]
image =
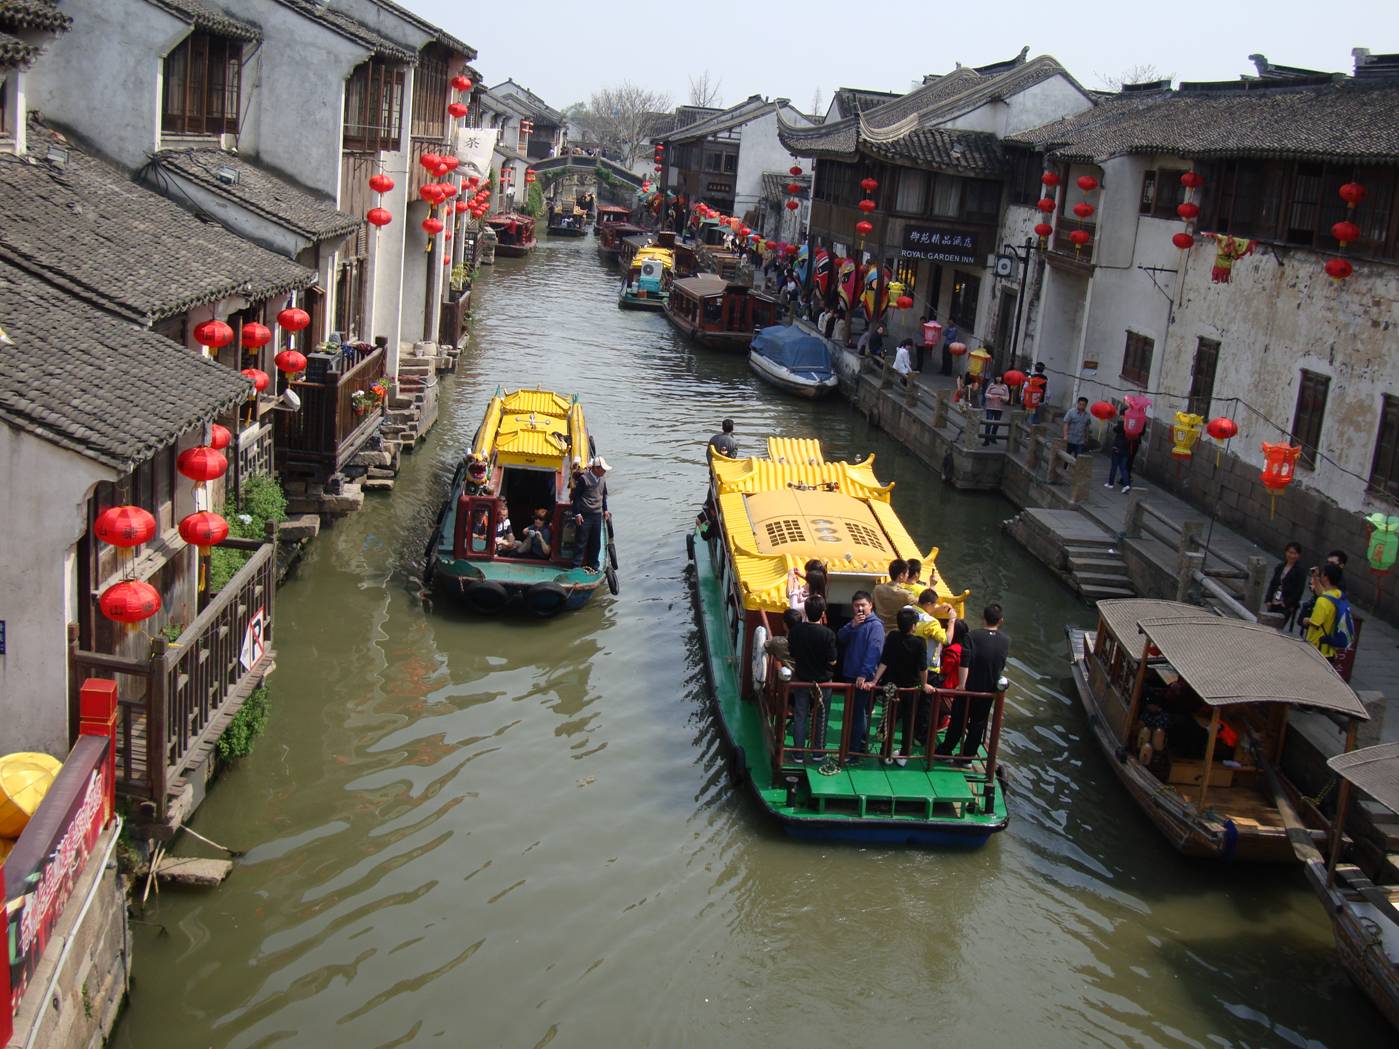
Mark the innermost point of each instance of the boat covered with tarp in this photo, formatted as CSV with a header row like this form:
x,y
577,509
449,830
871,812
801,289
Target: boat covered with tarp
x,y
795,360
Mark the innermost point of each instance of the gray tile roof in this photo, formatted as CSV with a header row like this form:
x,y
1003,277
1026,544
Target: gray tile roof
x,y
33,14
442,36
969,152
299,209
775,185
98,385
529,100
353,29
15,52
87,226
839,138
962,91
724,120
203,14
1340,119
852,100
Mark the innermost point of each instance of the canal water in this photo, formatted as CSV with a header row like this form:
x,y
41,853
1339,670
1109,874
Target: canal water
x,y
463,832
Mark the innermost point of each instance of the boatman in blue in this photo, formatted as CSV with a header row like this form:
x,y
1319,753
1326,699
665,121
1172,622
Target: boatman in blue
x,y
589,511
861,641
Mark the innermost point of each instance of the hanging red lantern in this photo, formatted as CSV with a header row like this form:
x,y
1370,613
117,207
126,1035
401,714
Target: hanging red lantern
x,y
431,226
1339,269
129,601
380,183
743,230
1184,241
795,169
1279,460
290,362
1087,183
442,168
1045,204
1102,410
904,302
213,334
956,349
431,192
794,188
429,160
791,249
869,185
1014,377
1189,211
293,319
202,463
462,207
378,217
124,526
457,109
1083,209
1345,231
1080,237
1192,179
203,529
792,205
472,181
1222,428
866,205
461,83
448,190
864,228
529,177
1050,178
1043,230
1352,193
219,436
255,336
258,378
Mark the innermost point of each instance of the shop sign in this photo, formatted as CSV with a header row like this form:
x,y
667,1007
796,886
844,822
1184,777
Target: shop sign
x,y
939,245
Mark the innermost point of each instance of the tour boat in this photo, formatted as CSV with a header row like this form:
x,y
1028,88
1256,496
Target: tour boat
x,y
568,220
719,314
794,360
1360,886
765,517
611,235
514,234
646,285
611,215
1191,711
519,461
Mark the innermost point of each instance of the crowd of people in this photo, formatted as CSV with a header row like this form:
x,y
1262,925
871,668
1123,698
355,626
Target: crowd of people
x,y
1313,601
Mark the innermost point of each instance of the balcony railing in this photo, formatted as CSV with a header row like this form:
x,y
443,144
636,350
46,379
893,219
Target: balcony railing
x,y
174,705
329,428
1062,245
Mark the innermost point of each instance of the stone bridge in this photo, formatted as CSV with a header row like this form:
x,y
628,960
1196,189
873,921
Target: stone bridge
x,y
588,165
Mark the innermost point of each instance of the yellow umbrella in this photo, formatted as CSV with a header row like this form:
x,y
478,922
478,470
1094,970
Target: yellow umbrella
x,y
24,780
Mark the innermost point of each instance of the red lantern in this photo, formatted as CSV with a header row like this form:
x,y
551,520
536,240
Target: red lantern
x,y
795,169
219,436
202,463
956,349
1278,463
442,168
866,205
1222,428
1050,178
794,188
429,161
1184,241
1014,377
293,319
448,190
904,302
290,362
1043,230
124,526
1188,211
258,378
863,228
1080,237
658,169
432,227
378,217
431,192
457,109
660,147
213,334
204,529
1045,204
1102,410
791,249
1083,209
1345,231
472,182
462,207
461,83
1192,179
529,177
869,185
1087,183
792,205
380,183
1339,269
1352,193
771,245
129,601
255,335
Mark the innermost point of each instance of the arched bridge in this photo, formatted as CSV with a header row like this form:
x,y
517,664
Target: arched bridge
x,y
585,163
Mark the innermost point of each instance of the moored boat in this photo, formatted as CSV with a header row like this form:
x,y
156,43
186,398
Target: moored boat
x,y
514,234
794,360
763,518
611,215
567,220
611,236
1191,711
519,464
646,284
718,314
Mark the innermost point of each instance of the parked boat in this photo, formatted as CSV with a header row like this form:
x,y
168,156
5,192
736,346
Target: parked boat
x,y
611,215
611,236
794,360
519,462
763,518
1359,883
646,285
568,220
514,234
1191,711
718,314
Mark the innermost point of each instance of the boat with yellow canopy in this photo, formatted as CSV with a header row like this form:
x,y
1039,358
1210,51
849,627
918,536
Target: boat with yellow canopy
x,y
517,474
765,518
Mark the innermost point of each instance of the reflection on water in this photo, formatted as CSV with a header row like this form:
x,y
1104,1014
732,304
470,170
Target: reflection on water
x,y
470,832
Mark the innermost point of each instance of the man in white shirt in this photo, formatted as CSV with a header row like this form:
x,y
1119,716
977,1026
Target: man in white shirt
x,y
902,363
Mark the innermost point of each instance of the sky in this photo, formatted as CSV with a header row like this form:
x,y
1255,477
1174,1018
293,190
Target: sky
x,y
791,50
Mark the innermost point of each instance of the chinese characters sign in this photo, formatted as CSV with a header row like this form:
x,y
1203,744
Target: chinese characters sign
x,y
938,245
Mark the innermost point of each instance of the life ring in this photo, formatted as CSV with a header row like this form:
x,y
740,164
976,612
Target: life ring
x,y
760,656
610,574
545,599
486,597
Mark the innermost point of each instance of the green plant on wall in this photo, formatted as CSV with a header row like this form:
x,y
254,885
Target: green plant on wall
x,y
534,201
604,176
249,723
261,500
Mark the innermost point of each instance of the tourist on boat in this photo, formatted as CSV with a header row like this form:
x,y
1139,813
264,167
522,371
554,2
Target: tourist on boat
x,y
952,665
903,664
504,532
913,582
538,538
890,597
724,441
995,398
861,642
780,646
1288,584
929,627
1330,626
1120,462
814,653
1076,428
589,511
985,664
805,582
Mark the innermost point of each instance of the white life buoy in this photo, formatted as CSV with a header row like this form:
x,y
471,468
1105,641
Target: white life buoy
x,y
760,656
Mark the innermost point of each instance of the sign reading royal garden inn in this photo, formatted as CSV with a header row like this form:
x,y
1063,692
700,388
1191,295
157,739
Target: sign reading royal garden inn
x,y
939,245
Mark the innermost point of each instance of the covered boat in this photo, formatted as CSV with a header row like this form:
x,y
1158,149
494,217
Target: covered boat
x,y
519,464
765,517
646,285
794,360
514,234
719,314
1191,711
567,220
611,235
611,215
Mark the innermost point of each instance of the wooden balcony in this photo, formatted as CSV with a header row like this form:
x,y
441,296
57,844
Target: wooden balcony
x,y
174,704
328,430
1062,245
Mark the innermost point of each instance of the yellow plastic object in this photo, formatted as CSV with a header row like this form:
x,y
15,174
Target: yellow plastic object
x,y
1185,431
24,780
6,845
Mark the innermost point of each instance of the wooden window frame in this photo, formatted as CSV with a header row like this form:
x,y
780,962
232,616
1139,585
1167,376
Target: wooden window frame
x,y
203,105
1309,418
376,88
959,304
1384,465
1137,355
431,94
1200,398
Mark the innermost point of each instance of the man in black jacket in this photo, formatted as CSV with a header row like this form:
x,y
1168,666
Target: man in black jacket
x,y
589,511
989,649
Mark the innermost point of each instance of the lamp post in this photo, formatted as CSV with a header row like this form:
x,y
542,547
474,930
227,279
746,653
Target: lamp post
x,y
1023,254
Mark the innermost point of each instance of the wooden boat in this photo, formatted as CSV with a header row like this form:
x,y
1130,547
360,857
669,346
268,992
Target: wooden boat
x,y
1359,883
611,236
568,220
1215,695
520,460
794,360
646,285
718,314
762,518
611,215
514,234
717,260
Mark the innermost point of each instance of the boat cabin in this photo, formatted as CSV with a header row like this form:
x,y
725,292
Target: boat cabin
x,y
611,236
612,215
715,312
720,262
514,233
648,281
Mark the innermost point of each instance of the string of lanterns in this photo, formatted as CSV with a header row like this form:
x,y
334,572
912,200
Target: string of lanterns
x,y
794,188
1045,206
1188,210
1083,210
867,205
1345,231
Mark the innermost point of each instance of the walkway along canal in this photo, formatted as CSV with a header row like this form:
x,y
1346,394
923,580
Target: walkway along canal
x,y
467,832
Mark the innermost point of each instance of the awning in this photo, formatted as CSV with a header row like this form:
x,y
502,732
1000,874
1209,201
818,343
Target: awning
x,y
1375,770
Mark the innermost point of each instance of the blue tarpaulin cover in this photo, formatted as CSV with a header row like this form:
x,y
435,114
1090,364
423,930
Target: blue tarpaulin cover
x,y
796,350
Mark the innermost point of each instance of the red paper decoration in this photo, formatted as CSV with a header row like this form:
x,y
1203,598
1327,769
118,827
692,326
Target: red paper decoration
x,y
1014,377
794,188
1192,179
1222,428
956,349
1345,231
379,217
293,319
124,526
1043,230
1339,269
255,335
1184,241
793,204
202,463
1102,410
1083,209
219,436
904,302
869,185
1045,204
430,161
866,205
864,228
1279,461
1080,237
461,83
462,207
1352,193
1050,178
1188,211
204,529
258,378
432,226
213,334
1087,183
457,109
290,362
795,169
380,183
129,601
431,192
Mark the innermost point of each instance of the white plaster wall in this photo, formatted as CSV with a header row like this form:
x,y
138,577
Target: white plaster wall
x,y
415,278
16,106
388,24
1042,103
759,150
38,582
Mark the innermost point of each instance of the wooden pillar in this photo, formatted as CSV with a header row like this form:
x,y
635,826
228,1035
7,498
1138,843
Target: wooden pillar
x,y
156,741
1338,826
1138,685
1209,758
97,704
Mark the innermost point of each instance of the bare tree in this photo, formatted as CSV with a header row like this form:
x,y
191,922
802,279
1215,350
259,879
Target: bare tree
x,y
704,90
620,119
1141,73
816,105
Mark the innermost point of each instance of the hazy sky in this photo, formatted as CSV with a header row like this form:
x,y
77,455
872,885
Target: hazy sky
x,y
563,51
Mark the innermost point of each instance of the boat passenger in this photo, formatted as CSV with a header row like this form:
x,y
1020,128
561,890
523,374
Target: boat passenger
x,y
724,441
985,664
538,537
903,664
914,583
813,648
589,511
890,597
504,533
861,641
929,627
780,646
952,665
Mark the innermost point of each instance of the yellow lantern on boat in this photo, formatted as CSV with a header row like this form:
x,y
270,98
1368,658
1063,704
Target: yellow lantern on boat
x,y
24,780
1185,431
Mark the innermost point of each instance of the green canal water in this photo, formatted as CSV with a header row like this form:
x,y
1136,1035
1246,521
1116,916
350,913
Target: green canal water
x,y
463,832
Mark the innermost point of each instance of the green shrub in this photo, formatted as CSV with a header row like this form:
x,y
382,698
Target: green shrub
x,y
261,500
534,201
242,732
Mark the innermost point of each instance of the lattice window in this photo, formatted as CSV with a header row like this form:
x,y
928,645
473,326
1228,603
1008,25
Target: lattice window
x,y
787,530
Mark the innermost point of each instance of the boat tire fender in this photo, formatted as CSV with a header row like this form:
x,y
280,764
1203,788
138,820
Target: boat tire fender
x,y
613,584
486,596
760,656
612,554
545,599
690,545
738,766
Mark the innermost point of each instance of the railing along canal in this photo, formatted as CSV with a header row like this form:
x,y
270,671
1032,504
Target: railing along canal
x,y
332,420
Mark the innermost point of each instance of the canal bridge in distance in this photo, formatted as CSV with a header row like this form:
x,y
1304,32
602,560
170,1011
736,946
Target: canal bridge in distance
x,y
589,165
